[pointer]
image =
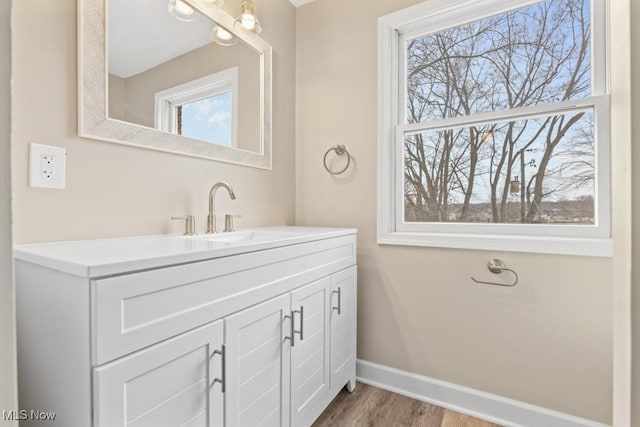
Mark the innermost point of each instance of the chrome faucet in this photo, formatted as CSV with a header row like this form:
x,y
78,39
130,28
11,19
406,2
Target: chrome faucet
x,y
211,218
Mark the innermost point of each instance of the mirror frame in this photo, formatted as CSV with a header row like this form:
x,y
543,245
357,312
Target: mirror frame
x,y
93,111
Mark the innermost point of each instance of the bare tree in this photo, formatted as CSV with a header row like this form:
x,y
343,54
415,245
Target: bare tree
x,y
538,54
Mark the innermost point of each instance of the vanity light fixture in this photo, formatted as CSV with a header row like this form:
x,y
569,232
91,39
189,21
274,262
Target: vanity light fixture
x,y
248,18
183,12
222,37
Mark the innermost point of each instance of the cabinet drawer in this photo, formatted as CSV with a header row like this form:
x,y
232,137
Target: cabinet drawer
x,y
133,311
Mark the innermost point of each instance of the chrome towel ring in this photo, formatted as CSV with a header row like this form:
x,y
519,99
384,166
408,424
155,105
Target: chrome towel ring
x,y
340,150
497,266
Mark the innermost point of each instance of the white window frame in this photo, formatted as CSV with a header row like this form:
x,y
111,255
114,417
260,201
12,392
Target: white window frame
x,y
436,15
167,100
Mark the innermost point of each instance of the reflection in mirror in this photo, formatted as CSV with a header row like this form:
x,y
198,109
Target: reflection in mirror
x,y
165,72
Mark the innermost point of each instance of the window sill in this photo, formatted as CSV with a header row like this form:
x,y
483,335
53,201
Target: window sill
x,y
594,247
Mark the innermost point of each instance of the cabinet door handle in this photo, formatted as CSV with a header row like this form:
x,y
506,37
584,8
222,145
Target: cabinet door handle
x,y
301,331
292,330
339,307
222,381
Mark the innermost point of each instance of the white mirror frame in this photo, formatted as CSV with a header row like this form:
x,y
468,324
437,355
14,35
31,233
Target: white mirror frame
x,y
93,111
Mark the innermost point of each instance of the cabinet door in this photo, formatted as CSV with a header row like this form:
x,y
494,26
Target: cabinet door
x,y
343,328
310,375
258,365
169,384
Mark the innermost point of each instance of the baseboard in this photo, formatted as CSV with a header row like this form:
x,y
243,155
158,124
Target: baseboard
x,y
489,407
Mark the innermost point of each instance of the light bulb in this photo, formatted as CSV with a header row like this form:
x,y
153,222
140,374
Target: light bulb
x,y
248,21
183,9
223,34
222,37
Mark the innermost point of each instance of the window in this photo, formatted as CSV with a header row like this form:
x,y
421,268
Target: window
x,y
204,109
494,126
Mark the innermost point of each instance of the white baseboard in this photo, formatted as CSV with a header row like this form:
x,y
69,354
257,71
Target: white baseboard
x,y
489,407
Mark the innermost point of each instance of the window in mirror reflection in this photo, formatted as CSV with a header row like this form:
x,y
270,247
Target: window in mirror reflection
x,y
204,109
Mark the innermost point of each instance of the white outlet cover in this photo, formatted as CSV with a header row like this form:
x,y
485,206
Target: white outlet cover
x,y
47,166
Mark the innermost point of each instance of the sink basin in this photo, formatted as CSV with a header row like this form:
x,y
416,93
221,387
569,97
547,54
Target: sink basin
x,y
244,237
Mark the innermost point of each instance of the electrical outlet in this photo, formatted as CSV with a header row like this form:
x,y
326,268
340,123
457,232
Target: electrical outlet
x,y
47,166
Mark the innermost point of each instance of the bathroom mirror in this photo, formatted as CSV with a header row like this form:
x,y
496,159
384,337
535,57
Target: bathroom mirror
x,y
157,80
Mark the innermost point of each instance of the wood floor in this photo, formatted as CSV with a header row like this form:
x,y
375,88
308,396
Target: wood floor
x,y
373,407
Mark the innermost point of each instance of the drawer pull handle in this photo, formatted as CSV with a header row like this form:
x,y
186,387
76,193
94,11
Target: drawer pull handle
x,y
339,307
222,381
301,331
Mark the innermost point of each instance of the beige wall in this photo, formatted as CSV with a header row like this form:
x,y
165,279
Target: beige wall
x,y
139,90
547,341
8,398
635,302
115,190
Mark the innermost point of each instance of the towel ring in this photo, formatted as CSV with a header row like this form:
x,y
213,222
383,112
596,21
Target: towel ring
x,y
497,266
340,150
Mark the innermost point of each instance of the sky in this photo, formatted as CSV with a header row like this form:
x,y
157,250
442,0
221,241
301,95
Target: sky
x,y
209,119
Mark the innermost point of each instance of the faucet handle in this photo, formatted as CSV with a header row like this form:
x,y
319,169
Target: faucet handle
x,y
228,222
189,225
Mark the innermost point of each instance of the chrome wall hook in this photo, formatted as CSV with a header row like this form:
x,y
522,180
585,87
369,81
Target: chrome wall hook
x,y
497,266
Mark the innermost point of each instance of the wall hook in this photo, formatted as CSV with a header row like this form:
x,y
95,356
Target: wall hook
x,y
497,266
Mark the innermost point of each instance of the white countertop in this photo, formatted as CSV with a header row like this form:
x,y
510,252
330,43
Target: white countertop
x,y
106,257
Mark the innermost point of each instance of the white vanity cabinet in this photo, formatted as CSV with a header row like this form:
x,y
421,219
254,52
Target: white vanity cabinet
x,y
200,334
288,357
